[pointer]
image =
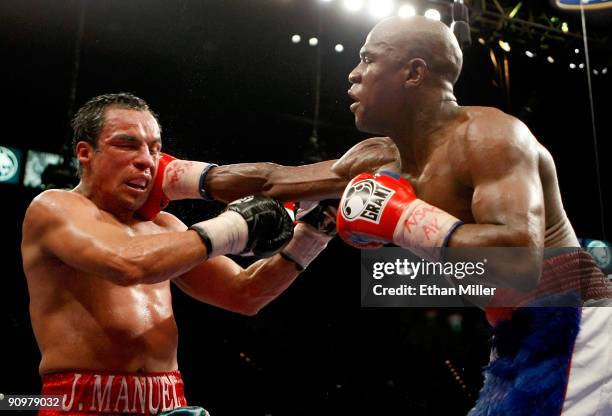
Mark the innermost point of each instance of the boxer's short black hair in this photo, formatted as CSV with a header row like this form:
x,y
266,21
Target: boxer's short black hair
x,y
89,120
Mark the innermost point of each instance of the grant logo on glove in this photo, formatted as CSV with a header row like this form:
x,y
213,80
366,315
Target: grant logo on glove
x,y
365,200
383,208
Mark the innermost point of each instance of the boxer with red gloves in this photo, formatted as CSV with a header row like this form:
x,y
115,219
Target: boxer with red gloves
x,y
485,168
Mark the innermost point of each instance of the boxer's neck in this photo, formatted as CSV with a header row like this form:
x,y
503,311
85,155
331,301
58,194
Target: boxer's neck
x,y
107,204
420,133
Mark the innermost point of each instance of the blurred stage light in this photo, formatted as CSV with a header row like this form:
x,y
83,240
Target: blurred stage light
x,y
581,66
604,71
481,41
406,10
601,251
296,38
313,41
564,27
576,50
550,60
595,72
380,8
572,65
353,5
339,48
529,54
432,14
504,45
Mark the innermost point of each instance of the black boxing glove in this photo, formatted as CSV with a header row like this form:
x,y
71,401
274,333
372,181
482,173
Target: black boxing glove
x,y
252,224
316,226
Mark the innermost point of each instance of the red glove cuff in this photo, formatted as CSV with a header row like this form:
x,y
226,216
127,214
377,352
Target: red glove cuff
x,y
157,199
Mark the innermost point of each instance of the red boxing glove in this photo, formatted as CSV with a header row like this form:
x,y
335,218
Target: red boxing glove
x,y
370,209
383,208
157,199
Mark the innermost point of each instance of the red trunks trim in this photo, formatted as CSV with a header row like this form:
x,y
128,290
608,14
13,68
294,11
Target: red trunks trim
x,y
88,393
575,271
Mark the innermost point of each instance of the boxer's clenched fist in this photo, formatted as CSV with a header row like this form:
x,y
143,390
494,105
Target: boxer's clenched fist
x,y
383,208
252,224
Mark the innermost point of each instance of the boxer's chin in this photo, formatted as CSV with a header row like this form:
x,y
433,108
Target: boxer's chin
x,y
365,127
360,123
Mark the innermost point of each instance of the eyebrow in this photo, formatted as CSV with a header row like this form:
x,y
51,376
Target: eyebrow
x,y
132,139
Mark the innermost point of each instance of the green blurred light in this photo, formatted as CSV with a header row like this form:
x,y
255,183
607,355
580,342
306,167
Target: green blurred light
x,y
515,10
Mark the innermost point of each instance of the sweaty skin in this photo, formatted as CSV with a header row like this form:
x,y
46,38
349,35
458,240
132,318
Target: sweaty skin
x,y
99,278
477,163
317,181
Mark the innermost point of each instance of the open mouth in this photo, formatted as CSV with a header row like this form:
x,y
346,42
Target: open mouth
x,y
139,184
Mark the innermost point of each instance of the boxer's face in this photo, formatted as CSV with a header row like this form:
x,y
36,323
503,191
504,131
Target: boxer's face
x,y
122,167
377,87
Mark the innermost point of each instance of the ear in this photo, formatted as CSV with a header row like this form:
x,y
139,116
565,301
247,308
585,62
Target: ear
x,y
84,152
415,71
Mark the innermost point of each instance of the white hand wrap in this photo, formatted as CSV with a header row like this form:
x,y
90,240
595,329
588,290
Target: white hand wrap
x,y
305,245
182,179
226,234
424,229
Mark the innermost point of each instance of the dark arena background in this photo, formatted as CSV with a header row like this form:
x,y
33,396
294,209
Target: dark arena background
x,y
232,83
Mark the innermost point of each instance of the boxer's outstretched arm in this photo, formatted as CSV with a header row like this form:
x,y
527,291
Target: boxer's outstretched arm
x,y
286,183
223,283
314,182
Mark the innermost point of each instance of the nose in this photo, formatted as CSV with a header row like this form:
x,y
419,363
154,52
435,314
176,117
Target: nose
x,y
355,76
144,160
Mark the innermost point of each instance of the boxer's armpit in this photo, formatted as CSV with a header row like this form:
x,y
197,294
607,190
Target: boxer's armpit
x,y
308,182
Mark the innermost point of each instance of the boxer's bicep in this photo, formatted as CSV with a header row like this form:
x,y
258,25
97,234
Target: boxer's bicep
x,y
371,155
508,191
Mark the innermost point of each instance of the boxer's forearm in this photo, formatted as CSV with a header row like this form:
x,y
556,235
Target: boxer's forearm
x,y
514,254
223,283
264,281
307,183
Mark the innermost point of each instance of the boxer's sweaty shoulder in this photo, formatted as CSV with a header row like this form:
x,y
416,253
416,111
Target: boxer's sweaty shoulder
x,y
484,138
516,141
86,321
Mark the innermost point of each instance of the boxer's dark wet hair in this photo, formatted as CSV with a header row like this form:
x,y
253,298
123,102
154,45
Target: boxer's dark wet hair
x,y
89,120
